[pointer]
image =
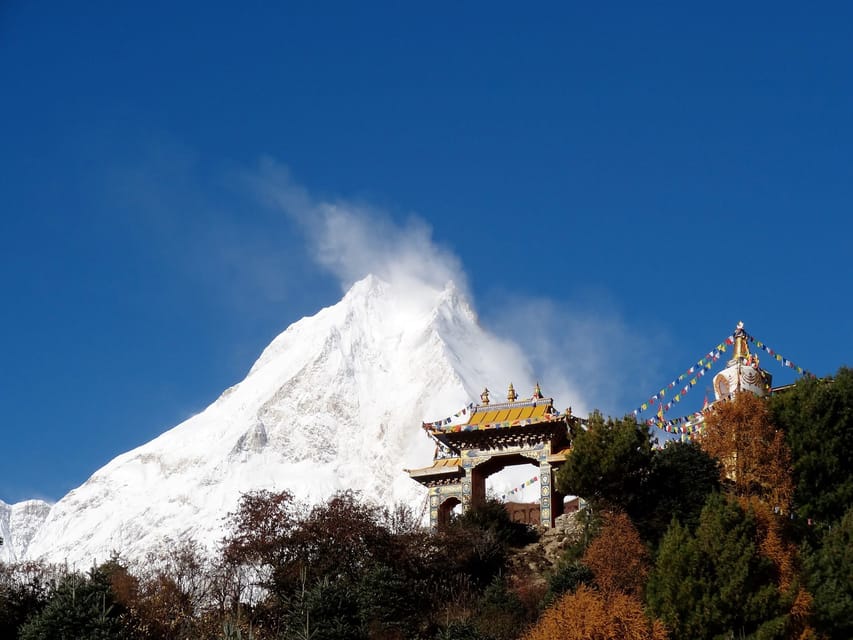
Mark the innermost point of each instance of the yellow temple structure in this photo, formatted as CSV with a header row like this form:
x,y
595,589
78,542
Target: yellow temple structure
x,y
496,436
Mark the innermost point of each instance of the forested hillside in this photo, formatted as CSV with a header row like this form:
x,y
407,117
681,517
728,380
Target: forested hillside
x,y
746,533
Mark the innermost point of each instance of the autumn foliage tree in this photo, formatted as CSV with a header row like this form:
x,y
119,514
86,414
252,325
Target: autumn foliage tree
x,y
169,595
587,614
617,557
347,568
755,459
775,544
756,466
613,607
260,538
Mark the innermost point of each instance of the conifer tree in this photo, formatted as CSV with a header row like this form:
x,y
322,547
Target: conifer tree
x,y
830,578
25,589
817,418
681,477
82,607
716,581
609,464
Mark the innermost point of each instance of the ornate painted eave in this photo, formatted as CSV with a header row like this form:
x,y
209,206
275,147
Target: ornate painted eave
x,y
445,469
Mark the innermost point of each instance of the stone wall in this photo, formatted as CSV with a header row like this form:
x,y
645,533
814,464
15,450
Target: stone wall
x,y
524,512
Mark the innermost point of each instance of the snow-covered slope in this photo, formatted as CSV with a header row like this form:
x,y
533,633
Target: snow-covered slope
x,y
18,524
334,402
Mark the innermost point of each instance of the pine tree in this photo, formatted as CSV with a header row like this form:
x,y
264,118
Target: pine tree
x,y
716,581
830,578
609,464
817,417
681,477
82,607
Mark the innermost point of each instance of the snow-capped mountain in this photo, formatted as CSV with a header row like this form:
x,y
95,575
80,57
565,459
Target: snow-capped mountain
x,y
18,524
334,402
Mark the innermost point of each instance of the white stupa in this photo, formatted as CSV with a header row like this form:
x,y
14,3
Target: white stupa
x,y
742,372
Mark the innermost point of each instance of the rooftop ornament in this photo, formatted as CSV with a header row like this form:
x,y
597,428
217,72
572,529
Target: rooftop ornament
x,y
484,397
511,395
741,346
537,393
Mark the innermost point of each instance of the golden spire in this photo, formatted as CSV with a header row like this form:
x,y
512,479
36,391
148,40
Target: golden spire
x,y
484,397
741,346
511,395
537,392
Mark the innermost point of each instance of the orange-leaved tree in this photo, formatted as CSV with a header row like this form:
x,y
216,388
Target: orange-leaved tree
x,y
756,465
775,545
586,614
617,557
620,563
756,461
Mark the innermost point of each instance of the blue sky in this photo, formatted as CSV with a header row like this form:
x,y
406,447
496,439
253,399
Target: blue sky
x,y
617,184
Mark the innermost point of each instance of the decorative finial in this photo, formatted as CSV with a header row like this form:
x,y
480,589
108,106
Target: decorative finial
x,y
511,395
741,347
537,392
484,397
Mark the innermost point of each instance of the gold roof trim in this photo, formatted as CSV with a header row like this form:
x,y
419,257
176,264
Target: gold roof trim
x,y
448,462
510,411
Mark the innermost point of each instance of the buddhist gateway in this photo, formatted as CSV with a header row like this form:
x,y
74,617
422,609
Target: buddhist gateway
x,y
496,436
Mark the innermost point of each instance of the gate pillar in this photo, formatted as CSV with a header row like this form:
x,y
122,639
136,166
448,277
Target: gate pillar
x,y
442,499
477,480
546,495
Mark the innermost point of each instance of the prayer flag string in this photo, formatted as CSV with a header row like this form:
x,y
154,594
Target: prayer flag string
x,y
438,424
520,487
688,424
779,358
698,370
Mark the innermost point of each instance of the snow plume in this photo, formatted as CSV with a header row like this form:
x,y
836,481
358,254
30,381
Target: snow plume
x,y
352,240
585,349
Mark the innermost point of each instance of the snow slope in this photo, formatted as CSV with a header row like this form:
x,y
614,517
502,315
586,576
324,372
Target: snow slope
x,y
18,524
334,402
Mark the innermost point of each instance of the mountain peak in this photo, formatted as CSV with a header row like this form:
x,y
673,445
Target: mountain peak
x,y
19,522
367,286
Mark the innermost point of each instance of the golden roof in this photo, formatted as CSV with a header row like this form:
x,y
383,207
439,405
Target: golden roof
x,y
447,462
509,412
441,468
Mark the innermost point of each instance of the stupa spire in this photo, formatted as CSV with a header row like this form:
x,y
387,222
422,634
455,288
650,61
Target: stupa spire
x,y
741,343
